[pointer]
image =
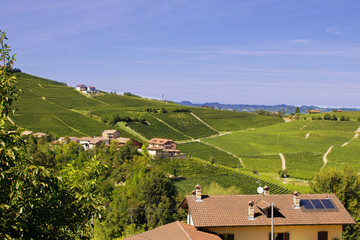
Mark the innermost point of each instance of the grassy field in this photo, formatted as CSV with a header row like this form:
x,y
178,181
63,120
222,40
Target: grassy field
x,y
186,123
156,129
203,151
349,155
262,163
303,144
230,121
282,138
303,165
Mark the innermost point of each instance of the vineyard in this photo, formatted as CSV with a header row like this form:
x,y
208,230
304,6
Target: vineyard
x,y
203,151
186,123
230,121
196,171
253,141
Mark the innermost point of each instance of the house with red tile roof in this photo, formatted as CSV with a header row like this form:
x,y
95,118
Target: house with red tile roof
x,y
292,216
175,231
91,90
81,87
163,148
255,217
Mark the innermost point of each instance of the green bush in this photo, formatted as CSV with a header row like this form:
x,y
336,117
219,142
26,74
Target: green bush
x,y
333,117
327,116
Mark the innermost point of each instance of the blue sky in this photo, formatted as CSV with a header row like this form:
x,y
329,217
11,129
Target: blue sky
x,y
230,51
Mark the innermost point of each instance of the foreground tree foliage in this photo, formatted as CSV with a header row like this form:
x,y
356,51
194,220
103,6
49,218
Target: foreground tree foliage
x,y
346,185
34,203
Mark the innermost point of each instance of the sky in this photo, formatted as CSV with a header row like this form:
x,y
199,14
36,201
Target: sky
x,y
229,51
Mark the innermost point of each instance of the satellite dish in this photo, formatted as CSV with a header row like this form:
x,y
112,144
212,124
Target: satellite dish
x,y
260,190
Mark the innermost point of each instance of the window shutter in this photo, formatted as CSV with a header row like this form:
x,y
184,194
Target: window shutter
x,y
323,235
230,237
286,236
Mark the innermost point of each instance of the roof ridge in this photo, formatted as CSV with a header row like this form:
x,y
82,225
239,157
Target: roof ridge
x,y
184,230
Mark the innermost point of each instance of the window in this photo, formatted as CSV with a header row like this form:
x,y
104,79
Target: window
x,y
323,235
226,236
280,236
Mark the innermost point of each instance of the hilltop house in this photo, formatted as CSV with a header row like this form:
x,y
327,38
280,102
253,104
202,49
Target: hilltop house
x,y
81,87
91,90
162,148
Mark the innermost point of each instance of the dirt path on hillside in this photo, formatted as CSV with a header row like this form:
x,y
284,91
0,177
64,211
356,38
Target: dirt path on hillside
x,y
283,161
325,160
240,160
357,132
305,125
88,96
193,114
356,135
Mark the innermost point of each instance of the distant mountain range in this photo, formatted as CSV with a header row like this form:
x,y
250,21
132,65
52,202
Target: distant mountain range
x,y
270,108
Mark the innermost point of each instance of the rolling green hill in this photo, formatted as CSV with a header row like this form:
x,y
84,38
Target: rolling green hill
x,y
303,144
48,106
248,143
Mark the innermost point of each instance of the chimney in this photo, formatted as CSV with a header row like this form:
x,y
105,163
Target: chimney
x,y
198,193
266,191
296,199
251,211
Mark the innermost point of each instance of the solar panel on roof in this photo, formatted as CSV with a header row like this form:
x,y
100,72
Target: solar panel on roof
x,y
317,204
328,204
306,203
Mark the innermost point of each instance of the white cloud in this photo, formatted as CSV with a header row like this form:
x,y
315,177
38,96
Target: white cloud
x,y
334,30
299,41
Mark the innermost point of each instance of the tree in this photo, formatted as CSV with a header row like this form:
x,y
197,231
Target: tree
x,y
333,117
34,204
327,116
297,110
346,185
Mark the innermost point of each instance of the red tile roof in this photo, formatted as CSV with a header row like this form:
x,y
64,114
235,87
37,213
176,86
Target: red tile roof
x,y
88,139
175,231
232,210
160,140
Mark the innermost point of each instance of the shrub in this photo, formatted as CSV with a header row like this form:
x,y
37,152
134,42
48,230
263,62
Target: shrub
x,y
327,116
333,117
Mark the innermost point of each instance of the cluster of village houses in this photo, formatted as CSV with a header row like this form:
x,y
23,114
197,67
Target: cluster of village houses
x,y
158,147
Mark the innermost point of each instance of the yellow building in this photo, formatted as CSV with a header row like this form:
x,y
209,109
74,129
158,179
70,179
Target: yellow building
x,y
249,217
254,217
